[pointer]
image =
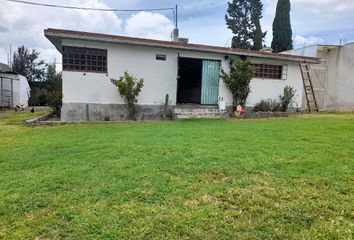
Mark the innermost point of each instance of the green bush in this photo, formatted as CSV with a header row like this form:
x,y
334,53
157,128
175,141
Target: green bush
x,y
268,105
272,105
238,80
129,87
43,99
287,97
55,101
38,95
54,85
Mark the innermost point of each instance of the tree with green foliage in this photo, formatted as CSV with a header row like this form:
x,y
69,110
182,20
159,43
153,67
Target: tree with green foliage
x,y
54,83
238,80
129,87
25,63
243,19
282,33
256,16
239,22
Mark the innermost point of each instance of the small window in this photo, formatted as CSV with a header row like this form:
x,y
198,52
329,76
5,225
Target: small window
x,y
161,57
268,71
84,59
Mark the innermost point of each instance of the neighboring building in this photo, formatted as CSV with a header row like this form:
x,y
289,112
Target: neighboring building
x,y
14,88
188,73
333,78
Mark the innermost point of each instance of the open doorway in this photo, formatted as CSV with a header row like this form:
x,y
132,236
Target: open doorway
x,y
189,80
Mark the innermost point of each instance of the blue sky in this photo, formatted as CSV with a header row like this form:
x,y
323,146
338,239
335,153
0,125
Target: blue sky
x,y
313,21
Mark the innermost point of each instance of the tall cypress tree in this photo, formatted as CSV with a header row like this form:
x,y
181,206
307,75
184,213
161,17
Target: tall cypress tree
x,y
243,18
256,15
282,33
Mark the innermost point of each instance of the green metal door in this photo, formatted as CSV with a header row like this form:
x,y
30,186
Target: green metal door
x,y
210,82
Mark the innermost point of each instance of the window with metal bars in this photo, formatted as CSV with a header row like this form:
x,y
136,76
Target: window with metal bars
x,y
81,59
268,71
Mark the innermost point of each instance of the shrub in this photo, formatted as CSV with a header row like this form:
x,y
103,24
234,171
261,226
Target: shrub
x,y
268,105
38,95
129,87
271,105
238,80
43,99
287,97
54,85
107,117
55,101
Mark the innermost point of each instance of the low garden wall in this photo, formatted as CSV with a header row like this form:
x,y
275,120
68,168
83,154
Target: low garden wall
x,y
44,120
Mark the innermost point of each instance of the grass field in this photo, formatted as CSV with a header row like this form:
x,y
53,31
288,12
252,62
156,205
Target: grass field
x,y
287,178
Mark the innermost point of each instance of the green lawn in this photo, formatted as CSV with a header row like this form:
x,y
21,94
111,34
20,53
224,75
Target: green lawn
x,y
287,178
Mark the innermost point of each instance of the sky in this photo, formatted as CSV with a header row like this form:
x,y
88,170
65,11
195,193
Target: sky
x,y
202,21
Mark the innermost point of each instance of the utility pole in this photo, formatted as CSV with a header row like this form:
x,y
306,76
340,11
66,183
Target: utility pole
x,y
175,32
176,16
10,64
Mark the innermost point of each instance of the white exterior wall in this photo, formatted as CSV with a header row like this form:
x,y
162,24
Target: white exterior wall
x,y
340,79
333,78
272,88
160,77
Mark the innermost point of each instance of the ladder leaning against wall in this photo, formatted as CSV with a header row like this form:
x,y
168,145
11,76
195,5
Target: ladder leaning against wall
x,y
308,87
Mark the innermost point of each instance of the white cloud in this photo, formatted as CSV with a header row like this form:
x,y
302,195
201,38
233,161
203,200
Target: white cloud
x,y
149,25
24,24
322,7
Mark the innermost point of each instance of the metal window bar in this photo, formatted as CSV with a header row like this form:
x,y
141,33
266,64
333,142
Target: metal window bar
x,y
84,59
268,71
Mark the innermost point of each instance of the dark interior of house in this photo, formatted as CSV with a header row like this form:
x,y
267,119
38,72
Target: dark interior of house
x,y
190,80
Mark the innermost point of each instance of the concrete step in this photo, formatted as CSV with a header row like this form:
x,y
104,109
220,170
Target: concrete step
x,y
201,116
190,111
186,112
196,106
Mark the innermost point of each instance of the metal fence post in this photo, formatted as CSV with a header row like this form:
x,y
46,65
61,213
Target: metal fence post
x,y
2,94
12,93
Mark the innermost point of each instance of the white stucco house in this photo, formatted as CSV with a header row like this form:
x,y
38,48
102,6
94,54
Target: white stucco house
x,y
333,78
188,73
14,88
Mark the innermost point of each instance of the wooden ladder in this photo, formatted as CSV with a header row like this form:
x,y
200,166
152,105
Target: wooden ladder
x,y
308,87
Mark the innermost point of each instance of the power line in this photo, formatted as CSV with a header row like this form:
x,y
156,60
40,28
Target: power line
x,y
92,9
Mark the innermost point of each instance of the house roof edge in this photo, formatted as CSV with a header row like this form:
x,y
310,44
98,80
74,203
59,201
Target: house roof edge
x,y
50,33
